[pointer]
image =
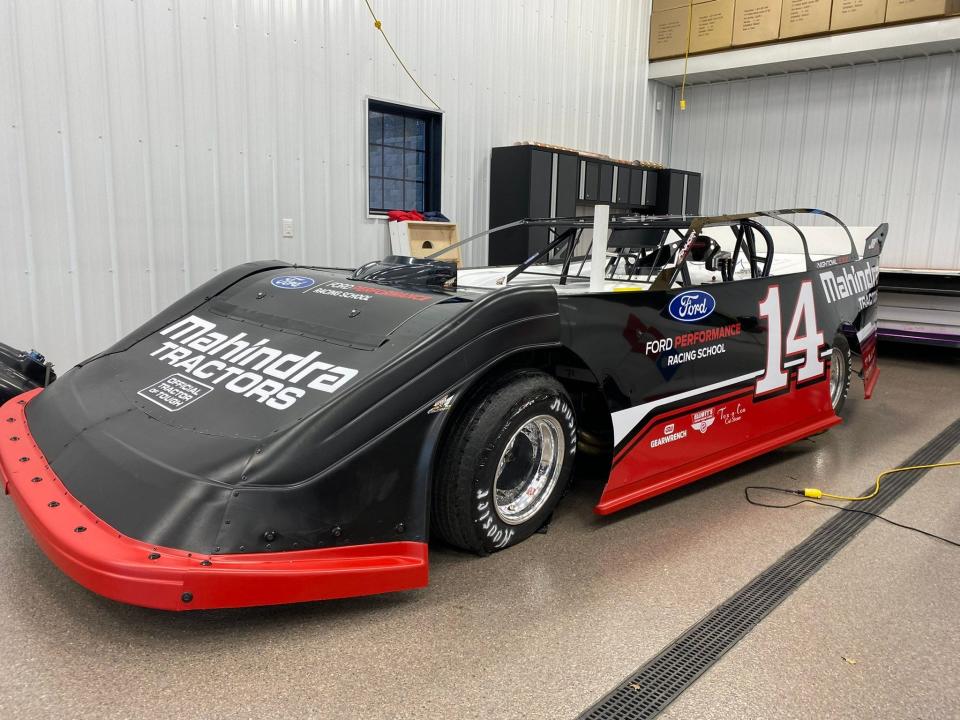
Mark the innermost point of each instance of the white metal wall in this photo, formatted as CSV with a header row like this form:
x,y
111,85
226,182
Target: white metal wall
x,y
871,143
147,144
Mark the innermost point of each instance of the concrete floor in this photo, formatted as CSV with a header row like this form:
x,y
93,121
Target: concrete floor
x,y
546,628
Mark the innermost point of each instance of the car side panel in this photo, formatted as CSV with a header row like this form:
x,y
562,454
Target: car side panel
x,y
683,392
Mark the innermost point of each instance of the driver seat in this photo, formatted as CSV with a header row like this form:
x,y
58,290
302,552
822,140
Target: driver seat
x,y
707,250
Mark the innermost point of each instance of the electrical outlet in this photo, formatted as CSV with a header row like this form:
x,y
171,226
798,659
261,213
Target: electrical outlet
x,y
286,227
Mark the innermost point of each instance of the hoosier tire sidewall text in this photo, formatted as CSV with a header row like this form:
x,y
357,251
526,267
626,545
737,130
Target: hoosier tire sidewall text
x,y
464,507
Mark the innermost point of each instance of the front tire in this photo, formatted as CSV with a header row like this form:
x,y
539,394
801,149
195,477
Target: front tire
x,y
841,364
505,466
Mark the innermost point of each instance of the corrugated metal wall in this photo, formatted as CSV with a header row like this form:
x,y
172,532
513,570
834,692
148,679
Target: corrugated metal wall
x,y
147,144
871,143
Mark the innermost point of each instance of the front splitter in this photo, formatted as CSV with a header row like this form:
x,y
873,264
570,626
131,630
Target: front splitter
x,y
128,570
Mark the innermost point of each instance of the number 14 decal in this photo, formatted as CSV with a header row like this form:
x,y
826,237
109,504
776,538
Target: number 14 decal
x,y
810,365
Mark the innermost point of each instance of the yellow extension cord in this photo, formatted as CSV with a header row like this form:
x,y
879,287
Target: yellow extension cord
x,y
817,493
686,56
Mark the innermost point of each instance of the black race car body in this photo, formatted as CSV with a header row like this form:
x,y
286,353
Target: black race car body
x,y
273,436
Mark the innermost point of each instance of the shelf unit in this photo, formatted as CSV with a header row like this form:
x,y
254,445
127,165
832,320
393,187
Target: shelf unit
x,y
529,181
850,48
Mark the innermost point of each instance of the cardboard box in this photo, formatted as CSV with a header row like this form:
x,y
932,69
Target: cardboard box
x,y
661,5
668,32
712,26
421,238
849,14
804,17
898,10
756,21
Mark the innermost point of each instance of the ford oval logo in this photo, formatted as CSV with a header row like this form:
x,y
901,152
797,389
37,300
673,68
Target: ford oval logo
x,y
292,282
691,306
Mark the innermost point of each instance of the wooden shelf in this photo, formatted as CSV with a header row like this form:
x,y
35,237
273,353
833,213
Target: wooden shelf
x,y
826,51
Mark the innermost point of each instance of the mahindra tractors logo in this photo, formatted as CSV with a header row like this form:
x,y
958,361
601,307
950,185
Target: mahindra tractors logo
x,y
857,280
250,368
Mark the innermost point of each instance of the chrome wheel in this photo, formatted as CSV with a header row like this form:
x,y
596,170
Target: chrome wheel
x,y
838,376
528,469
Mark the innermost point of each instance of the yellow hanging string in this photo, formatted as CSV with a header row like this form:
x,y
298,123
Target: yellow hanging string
x,y
686,55
379,26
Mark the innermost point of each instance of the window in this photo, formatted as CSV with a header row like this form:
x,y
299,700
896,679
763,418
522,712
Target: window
x,y
403,158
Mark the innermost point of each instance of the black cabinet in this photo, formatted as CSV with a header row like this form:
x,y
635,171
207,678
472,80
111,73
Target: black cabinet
x,y
643,187
605,194
567,184
528,182
637,179
616,184
622,194
591,181
623,186
650,180
678,192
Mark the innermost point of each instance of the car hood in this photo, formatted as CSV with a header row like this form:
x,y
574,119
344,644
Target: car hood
x,y
276,398
208,388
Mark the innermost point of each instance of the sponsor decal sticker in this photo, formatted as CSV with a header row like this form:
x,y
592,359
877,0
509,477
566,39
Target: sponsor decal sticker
x,y
251,368
831,262
175,392
668,352
691,306
292,282
442,405
679,358
364,293
657,345
729,415
670,434
858,280
702,420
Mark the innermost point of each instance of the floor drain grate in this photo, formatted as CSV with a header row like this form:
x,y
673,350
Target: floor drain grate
x,y
663,678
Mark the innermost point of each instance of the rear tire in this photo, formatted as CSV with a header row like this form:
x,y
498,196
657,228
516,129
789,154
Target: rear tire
x,y
841,365
506,464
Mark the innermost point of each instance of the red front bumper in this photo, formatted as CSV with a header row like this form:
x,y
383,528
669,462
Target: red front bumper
x,y
119,567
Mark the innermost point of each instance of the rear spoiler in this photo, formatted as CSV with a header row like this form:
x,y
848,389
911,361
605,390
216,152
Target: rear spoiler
x,y
867,334
874,242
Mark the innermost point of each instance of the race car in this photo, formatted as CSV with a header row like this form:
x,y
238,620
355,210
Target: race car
x,y
287,433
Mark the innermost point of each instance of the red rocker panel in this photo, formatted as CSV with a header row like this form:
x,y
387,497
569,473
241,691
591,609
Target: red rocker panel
x,y
733,427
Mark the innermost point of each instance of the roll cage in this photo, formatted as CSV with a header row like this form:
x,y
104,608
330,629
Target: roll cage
x,y
654,249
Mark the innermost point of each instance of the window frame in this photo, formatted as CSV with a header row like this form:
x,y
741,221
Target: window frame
x,y
433,150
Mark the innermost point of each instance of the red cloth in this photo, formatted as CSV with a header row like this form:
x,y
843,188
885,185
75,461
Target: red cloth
x,y
401,215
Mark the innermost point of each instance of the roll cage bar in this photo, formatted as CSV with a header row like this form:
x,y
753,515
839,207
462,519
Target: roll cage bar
x,y
565,233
